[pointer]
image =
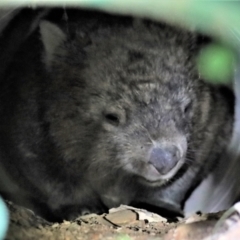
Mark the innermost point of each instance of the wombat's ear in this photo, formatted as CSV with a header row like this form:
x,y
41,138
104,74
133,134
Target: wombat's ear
x,y
52,36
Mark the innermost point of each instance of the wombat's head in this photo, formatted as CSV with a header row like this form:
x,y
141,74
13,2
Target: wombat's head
x,y
123,99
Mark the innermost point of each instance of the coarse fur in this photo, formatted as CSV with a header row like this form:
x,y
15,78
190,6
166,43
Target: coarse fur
x,y
84,103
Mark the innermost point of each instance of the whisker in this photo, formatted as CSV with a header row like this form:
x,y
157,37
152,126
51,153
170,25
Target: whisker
x,y
148,134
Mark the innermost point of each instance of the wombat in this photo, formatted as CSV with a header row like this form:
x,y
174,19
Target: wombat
x,y
106,110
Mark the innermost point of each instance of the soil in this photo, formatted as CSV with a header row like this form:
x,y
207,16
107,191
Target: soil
x,y
124,223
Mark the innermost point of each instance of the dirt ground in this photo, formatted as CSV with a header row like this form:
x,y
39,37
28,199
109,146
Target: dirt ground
x,y
124,223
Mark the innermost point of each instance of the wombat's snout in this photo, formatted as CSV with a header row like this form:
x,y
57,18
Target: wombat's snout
x,y
164,159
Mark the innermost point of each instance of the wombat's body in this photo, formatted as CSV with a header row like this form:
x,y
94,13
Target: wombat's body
x,y
116,114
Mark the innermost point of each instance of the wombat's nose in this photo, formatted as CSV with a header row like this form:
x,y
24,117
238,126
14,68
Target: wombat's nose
x,y
164,159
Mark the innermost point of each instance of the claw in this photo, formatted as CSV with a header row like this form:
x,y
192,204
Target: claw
x,y
228,220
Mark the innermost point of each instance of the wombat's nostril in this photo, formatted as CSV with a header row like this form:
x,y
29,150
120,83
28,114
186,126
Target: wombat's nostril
x,y
164,159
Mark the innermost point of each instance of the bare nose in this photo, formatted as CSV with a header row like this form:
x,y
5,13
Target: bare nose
x,y
164,159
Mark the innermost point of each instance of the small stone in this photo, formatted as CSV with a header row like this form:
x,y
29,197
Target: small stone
x,y
55,225
122,217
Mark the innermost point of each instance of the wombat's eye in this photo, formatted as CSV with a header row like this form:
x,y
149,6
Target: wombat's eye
x,y
112,118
